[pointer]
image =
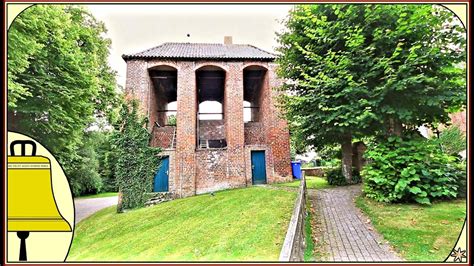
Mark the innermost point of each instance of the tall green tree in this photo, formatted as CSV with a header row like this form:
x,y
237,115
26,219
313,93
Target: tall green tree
x,y
358,70
58,77
107,160
84,177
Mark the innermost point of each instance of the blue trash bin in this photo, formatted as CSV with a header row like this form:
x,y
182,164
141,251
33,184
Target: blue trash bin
x,y
296,169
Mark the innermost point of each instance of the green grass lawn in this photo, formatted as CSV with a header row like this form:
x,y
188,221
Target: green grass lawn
x,y
419,233
308,230
100,195
312,182
233,225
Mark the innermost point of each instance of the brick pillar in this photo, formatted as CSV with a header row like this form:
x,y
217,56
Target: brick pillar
x,y
234,119
278,134
185,179
137,84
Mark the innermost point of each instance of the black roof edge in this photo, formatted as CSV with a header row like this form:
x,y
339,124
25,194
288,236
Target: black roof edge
x,y
147,58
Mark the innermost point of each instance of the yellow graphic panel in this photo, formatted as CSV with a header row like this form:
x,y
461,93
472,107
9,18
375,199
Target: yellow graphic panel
x,y
40,206
459,253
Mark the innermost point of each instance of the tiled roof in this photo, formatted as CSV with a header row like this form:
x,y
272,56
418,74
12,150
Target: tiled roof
x,y
202,51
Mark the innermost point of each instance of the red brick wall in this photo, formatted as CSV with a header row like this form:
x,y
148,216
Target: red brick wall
x,y
195,170
212,171
163,137
137,83
211,129
278,135
234,116
186,129
254,133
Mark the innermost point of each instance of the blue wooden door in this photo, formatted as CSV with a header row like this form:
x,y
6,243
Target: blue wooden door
x,y
161,176
259,173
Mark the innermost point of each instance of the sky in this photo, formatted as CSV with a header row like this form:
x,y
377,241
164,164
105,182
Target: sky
x,y
134,28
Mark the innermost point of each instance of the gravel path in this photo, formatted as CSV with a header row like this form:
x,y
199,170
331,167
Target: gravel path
x,y
86,207
347,234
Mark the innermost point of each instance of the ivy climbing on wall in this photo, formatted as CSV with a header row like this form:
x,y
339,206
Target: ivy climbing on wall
x,y
137,161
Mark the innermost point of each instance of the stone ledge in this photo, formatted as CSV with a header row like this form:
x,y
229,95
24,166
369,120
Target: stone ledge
x,y
158,197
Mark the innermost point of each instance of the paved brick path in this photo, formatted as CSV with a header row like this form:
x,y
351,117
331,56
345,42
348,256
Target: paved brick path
x,y
346,233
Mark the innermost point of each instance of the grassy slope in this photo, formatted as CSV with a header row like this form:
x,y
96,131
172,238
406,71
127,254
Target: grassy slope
x,y
421,233
100,195
312,182
240,224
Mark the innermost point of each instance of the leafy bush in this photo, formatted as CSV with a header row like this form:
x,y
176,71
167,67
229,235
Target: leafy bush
x,y
356,178
410,170
171,120
336,178
136,160
462,181
452,140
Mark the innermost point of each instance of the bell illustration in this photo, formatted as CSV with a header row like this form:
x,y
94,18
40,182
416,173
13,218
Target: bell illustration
x,y
31,203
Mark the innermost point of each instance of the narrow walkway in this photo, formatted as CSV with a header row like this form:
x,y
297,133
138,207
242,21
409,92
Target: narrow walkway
x,y
86,207
347,234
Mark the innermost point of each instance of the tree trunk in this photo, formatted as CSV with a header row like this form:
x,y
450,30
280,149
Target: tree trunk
x,y
12,124
346,147
120,202
358,150
395,127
